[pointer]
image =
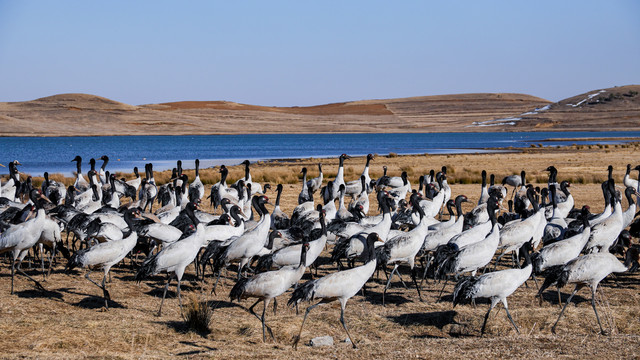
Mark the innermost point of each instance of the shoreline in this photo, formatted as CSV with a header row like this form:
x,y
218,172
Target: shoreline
x,y
377,131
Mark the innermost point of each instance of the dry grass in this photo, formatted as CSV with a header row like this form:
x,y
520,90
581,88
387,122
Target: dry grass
x,y
67,321
198,315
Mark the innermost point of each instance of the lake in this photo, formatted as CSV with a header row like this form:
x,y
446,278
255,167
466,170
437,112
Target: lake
x,y
54,154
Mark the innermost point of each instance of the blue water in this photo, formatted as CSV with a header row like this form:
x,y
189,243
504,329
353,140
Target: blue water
x,y
54,154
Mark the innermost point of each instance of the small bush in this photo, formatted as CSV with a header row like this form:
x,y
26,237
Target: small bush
x,y
392,155
197,315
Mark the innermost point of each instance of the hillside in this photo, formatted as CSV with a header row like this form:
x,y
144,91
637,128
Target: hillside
x,y
84,115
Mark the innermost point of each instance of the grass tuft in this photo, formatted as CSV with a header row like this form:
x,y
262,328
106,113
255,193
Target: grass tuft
x,y
197,315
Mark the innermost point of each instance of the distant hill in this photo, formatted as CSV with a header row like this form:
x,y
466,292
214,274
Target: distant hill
x,y
83,115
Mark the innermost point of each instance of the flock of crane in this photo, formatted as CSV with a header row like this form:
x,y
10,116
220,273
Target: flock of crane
x,y
274,249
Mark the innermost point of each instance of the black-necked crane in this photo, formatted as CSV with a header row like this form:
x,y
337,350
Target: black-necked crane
x,y
53,190
106,254
316,183
332,194
135,182
480,230
443,234
81,184
247,245
484,191
513,180
452,259
404,248
400,193
595,219
269,285
604,234
102,174
493,188
354,187
174,258
556,225
352,246
629,214
341,286
628,181
305,194
496,286
561,252
360,202
196,188
342,213
148,189
587,270
563,208
288,256
515,234
21,237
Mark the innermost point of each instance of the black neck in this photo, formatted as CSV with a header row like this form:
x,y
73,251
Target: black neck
x,y
303,254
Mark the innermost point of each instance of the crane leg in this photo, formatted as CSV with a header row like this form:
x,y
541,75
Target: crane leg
x,y
264,325
424,275
41,248
13,266
486,317
105,292
297,338
164,294
216,283
395,268
415,282
495,264
553,329
342,306
53,255
593,304
535,281
506,308
179,298
275,306
442,290
38,285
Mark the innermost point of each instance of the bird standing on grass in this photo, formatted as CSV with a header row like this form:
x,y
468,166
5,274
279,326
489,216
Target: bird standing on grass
x,y
341,286
496,286
21,237
587,270
268,285
175,257
106,254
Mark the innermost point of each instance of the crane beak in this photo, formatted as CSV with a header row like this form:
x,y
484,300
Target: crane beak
x,y
45,198
2,165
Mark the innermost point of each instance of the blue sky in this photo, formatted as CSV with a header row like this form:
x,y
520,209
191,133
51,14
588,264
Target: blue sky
x,y
288,53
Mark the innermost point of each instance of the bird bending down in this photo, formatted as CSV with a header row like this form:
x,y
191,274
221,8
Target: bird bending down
x,y
269,285
341,286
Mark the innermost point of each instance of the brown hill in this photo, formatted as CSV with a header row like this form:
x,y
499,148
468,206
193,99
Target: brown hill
x,y
84,115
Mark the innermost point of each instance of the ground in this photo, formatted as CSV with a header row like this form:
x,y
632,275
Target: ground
x,y
68,321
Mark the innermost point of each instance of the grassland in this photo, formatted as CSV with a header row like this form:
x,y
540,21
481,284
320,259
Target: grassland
x,y
67,320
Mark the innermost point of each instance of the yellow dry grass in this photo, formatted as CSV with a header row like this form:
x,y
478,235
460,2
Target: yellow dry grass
x,y
67,321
